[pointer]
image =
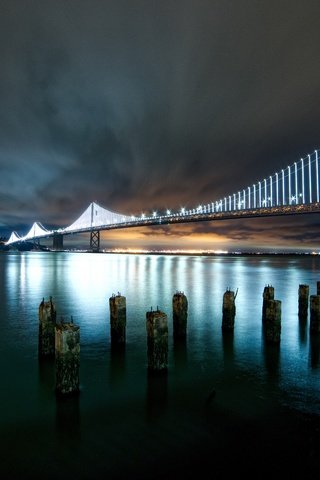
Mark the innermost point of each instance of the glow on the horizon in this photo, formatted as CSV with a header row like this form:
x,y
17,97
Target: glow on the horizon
x,y
166,251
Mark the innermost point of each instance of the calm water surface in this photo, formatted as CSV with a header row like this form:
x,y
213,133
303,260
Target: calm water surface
x,y
126,423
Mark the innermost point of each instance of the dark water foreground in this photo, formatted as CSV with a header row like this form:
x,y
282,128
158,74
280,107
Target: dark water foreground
x,y
229,403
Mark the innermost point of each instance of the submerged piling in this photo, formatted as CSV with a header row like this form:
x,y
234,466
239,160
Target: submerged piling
x,y
303,293
268,294
157,340
47,322
67,351
118,319
273,321
228,309
314,313
180,315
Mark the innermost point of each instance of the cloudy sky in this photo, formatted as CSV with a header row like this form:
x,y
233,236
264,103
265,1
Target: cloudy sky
x,y
155,104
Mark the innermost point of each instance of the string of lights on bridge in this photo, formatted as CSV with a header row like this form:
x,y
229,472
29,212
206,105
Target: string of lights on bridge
x,y
297,184
287,187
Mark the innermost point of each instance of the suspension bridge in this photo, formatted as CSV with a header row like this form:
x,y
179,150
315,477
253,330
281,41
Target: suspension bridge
x,y
292,190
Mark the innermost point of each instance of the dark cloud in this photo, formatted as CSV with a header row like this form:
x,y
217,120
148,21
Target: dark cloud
x,y
141,104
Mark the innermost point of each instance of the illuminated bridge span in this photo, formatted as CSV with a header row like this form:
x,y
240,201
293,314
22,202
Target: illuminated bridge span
x,y
293,190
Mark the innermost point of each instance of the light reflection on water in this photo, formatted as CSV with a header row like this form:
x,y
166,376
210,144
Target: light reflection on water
x,y
247,375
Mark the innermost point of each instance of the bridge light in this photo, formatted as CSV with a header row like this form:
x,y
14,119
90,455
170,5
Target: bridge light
x,y
283,188
289,184
302,180
317,175
310,183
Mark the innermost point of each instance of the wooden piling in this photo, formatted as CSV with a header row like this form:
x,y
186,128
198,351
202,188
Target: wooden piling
x,y
228,310
314,313
118,319
303,294
268,294
180,315
318,288
67,351
47,322
157,340
273,321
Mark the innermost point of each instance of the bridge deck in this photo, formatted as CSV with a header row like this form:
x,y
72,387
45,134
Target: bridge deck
x,y
199,217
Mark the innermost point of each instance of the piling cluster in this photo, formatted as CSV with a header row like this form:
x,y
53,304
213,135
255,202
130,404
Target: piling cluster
x,y
314,303
61,341
268,294
271,315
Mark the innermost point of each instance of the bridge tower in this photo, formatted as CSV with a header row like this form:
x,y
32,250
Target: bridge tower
x,y
94,234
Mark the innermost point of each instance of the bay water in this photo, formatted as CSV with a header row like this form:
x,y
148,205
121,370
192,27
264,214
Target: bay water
x,y
228,401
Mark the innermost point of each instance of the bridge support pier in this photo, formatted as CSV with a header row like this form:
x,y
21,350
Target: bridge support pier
x,y
57,242
95,241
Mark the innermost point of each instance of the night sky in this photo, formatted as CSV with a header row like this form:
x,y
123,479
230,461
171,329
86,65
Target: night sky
x,y
142,105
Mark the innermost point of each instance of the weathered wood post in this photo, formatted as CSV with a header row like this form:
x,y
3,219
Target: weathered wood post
x,y
47,322
303,293
157,340
273,321
314,313
180,315
67,336
118,319
318,288
228,309
268,294
314,346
